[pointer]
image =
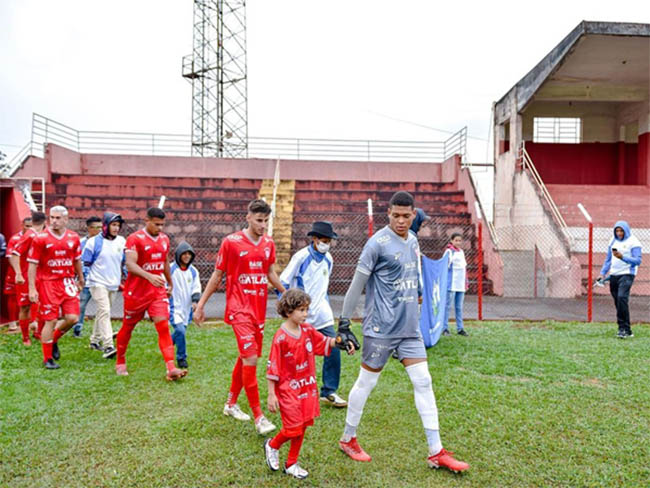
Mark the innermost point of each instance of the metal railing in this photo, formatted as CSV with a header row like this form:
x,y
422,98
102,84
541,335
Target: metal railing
x,y
529,166
45,130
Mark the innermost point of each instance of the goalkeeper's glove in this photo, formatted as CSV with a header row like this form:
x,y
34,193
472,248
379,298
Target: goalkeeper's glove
x,y
345,339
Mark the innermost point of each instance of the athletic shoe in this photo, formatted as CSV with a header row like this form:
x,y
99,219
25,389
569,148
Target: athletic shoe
x,y
109,352
182,363
445,332
354,450
264,426
629,334
296,471
76,333
445,459
95,346
272,456
175,374
235,412
462,332
13,328
621,334
334,400
56,354
120,370
50,364
27,343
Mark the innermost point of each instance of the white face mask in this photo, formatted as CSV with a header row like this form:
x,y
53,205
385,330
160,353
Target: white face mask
x,y
322,247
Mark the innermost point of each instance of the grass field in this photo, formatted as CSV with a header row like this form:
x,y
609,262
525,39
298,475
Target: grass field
x,y
527,405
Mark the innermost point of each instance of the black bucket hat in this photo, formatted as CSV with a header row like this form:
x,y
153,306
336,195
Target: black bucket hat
x,y
322,229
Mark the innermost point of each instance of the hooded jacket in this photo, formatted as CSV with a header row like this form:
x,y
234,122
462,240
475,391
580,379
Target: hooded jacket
x,y
103,257
629,246
186,289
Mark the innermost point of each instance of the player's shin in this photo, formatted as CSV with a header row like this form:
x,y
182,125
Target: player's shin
x,y
123,338
425,402
236,383
249,379
366,382
165,343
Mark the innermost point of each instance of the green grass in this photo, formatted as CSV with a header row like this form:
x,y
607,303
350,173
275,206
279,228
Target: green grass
x,y
527,405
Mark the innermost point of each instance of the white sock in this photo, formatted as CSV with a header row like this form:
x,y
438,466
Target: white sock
x,y
359,393
425,402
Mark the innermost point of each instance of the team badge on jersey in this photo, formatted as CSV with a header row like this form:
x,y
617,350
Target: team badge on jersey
x,y
267,252
308,346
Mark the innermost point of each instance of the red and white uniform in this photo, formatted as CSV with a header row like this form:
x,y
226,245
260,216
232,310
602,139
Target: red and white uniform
x,y
10,277
140,296
292,365
55,275
21,249
246,266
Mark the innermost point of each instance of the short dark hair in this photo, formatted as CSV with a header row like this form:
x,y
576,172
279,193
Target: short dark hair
x,y
454,235
259,206
402,199
26,219
155,213
38,218
92,220
291,300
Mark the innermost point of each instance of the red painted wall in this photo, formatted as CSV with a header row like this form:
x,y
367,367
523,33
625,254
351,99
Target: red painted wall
x,y
589,163
643,158
13,211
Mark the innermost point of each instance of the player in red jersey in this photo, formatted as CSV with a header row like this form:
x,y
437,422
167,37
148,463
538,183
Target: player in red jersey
x,y
9,288
291,375
54,259
147,289
20,267
246,258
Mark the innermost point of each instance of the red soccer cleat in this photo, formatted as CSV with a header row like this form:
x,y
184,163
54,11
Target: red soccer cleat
x,y
445,459
120,370
27,343
175,374
354,450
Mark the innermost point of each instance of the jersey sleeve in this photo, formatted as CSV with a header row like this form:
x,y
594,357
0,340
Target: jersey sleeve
x,y
87,251
272,256
222,257
77,254
131,244
289,273
320,342
21,246
368,258
196,284
35,250
273,364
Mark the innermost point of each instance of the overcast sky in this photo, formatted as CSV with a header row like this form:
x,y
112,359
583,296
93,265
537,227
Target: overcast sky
x,y
335,69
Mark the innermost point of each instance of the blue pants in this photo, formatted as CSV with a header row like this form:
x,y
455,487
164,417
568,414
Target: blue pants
x,y
457,298
178,336
331,366
84,298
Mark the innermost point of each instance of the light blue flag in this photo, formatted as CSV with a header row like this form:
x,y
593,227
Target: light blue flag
x,y
434,298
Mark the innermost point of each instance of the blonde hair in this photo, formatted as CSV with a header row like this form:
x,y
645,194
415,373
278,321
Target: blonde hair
x,y
59,209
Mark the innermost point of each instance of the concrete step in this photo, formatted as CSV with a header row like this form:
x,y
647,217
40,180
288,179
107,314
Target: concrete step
x,y
374,186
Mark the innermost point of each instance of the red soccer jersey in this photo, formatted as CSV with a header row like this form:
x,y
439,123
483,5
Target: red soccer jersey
x,y
246,266
292,365
54,255
21,248
10,277
152,256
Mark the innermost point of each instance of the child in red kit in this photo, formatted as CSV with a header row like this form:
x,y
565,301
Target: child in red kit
x,y
291,375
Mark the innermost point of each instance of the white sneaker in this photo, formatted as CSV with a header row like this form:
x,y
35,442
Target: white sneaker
x,y
235,412
296,471
263,426
334,400
272,456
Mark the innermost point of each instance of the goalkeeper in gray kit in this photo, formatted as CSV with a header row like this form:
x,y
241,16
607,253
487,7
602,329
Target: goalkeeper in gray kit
x,y
389,270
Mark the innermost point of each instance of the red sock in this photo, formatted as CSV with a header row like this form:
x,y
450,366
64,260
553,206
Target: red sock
x,y
57,335
12,307
278,440
123,338
294,450
47,350
249,379
165,342
33,312
235,384
24,329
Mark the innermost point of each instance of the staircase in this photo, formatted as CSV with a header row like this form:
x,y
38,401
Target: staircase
x,y
283,219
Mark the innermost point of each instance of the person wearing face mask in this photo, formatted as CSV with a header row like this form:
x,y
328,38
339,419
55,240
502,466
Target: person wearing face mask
x,y
309,270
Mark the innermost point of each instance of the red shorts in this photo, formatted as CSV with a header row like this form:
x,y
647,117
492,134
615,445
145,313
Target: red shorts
x,y
58,294
22,295
249,339
10,287
157,307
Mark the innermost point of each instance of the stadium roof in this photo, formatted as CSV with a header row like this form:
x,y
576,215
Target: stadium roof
x,y
597,61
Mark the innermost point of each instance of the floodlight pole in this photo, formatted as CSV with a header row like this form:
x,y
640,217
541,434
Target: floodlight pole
x,y
479,279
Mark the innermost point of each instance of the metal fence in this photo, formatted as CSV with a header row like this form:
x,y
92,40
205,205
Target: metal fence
x,y
543,275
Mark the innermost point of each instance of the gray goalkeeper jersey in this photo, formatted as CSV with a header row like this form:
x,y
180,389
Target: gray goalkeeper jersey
x,y
393,264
